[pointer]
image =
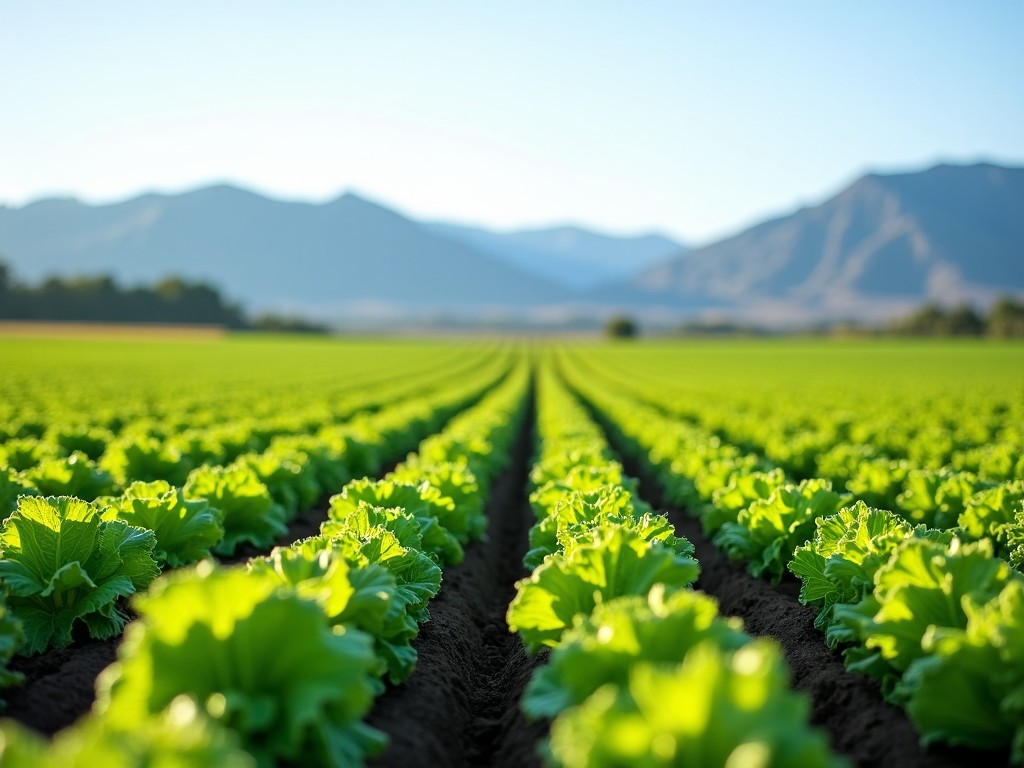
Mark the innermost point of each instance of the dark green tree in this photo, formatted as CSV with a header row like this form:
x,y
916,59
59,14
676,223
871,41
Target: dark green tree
x,y
621,327
1006,319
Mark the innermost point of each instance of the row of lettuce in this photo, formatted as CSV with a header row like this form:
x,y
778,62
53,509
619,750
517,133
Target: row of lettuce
x,y
279,660
868,418
642,670
67,561
100,452
921,597
968,471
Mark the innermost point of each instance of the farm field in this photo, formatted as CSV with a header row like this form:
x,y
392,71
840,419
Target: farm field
x,y
258,551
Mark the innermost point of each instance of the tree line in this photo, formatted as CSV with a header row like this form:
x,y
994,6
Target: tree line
x,y
102,299
1004,319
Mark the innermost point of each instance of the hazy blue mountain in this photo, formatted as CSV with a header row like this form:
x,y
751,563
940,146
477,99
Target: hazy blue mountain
x,y
883,245
343,255
887,242
574,257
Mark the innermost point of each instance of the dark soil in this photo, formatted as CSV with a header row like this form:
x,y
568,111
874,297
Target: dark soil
x,y
59,685
460,706
850,707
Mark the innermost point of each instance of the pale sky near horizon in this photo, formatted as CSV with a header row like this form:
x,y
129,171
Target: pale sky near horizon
x,y
692,119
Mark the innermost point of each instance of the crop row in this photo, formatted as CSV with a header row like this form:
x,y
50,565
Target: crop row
x,y
642,670
280,659
67,562
932,612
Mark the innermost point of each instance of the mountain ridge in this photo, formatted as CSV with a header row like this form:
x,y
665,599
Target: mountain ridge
x,y
880,246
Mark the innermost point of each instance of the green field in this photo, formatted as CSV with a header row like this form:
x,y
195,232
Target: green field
x,y
273,536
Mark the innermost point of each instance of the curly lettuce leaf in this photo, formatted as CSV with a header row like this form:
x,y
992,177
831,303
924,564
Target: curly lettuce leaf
x,y
453,490
839,564
767,532
621,633
991,514
185,529
289,477
437,540
921,590
714,709
576,513
618,562
62,565
75,475
365,597
181,736
248,511
969,689
391,537
257,658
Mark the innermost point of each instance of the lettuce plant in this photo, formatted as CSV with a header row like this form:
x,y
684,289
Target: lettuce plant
x,y
417,500
182,736
937,497
144,457
185,529
256,658
249,514
13,485
714,709
991,514
839,564
91,441
453,490
577,512
617,562
74,475
389,537
62,565
767,532
1015,539
289,477
363,596
969,689
23,453
921,590
741,490
621,633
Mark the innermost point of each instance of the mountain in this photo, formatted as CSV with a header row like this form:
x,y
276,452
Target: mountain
x,y
571,256
881,246
347,255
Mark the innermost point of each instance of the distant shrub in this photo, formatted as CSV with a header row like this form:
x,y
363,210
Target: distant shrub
x,y
621,327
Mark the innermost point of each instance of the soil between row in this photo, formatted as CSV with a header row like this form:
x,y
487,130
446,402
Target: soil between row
x,y
461,705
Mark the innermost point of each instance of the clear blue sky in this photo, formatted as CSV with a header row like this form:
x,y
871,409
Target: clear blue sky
x,y
690,118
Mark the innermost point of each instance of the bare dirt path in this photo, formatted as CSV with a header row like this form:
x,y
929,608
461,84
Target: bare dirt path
x,y
461,705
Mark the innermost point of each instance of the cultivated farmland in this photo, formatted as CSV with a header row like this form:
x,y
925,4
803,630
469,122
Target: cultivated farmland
x,y
254,551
